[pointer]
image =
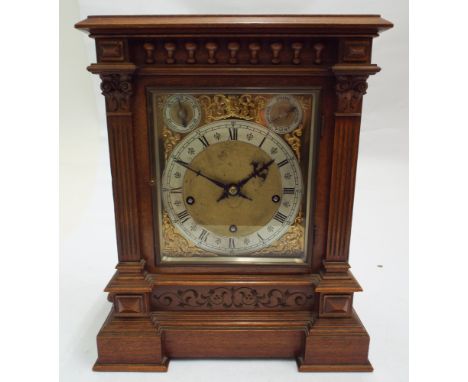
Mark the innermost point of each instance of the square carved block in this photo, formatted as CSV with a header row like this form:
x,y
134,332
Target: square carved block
x,y
129,304
110,50
336,305
356,51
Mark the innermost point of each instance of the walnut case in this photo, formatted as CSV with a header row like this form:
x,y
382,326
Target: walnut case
x,y
162,311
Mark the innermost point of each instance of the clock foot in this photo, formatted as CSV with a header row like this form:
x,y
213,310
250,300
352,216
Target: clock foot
x,y
336,344
302,367
132,366
130,344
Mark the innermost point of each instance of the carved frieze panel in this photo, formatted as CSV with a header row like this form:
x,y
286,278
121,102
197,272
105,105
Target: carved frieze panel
x,y
235,298
110,50
129,304
356,51
333,305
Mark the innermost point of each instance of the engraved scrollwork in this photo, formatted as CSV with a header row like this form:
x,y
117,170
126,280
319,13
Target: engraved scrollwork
x,y
174,243
117,89
170,140
292,243
350,90
220,106
294,140
233,298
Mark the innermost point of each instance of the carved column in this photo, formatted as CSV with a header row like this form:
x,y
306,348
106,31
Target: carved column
x,y
349,92
337,286
117,89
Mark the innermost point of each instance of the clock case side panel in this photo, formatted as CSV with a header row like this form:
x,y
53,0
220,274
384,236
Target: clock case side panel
x,y
160,85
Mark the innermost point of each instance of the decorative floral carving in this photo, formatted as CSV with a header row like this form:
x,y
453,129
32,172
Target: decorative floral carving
x,y
117,88
233,298
350,90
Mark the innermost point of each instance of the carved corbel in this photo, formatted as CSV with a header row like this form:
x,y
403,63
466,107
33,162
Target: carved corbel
x,y
349,90
117,89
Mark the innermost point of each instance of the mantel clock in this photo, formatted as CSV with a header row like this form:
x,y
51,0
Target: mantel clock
x,y
233,145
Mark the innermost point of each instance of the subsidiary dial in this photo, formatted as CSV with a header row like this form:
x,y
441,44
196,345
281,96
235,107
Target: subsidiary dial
x,y
182,113
283,113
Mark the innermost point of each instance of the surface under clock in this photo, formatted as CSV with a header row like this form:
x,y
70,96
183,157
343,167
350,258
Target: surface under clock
x,y
236,174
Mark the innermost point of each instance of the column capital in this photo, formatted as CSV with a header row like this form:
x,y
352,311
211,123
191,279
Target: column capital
x,y
116,85
349,90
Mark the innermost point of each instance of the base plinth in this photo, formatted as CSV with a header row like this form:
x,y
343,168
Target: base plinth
x,y
146,344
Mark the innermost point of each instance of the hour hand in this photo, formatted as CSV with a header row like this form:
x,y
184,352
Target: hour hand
x,y
257,171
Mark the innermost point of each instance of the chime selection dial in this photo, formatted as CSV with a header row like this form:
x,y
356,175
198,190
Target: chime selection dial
x,y
182,113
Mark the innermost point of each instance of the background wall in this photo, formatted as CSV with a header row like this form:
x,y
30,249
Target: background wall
x,y
379,243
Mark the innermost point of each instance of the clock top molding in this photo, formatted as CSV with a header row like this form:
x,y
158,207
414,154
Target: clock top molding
x,y
264,24
238,44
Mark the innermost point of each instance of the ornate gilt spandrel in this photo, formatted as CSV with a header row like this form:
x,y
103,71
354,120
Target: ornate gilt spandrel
x,y
291,244
242,106
174,244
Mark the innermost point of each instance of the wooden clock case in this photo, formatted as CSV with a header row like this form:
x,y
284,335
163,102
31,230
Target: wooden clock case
x,y
264,311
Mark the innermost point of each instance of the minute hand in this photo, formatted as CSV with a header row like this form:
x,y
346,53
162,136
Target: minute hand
x,y
199,173
254,173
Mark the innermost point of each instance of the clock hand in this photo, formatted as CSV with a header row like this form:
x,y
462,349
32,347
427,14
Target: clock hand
x,y
236,188
182,113
242,195
254,173
199,173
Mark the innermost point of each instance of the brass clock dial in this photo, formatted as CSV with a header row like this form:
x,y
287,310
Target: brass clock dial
x,y
232,187
182,113
283,113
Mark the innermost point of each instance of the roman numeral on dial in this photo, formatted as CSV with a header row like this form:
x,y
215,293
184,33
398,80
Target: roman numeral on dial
x,y
232,245
261,143
280,217
204,141
282,163
203,235
177,190
233,133
288,191
183,216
